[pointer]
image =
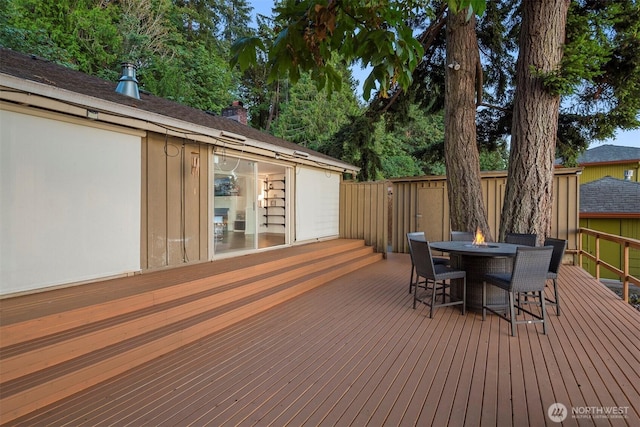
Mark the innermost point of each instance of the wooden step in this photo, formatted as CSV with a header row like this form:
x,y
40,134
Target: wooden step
x,y
126,331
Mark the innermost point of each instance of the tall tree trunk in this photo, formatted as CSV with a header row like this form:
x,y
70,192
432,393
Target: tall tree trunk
x,y
529,191
462,160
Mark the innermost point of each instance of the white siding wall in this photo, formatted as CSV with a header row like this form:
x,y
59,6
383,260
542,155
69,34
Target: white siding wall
x,y
69,202
317,203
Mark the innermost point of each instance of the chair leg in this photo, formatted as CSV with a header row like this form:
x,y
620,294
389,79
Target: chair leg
x,y
555,291
433,298
413,269
544,312
415,293
512,314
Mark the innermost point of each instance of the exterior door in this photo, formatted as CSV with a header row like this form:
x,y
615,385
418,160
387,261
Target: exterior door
x,y
234,204
431,213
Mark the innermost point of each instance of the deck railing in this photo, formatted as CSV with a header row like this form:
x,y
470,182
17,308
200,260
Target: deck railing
x,y
625,242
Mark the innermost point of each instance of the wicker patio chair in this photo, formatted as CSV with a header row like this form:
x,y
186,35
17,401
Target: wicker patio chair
x,y
419,235
462,236
559,247
521,239
529,276
435,279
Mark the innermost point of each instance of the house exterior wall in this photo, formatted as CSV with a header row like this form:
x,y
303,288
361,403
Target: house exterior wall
x,y
69,200
593,172
174,202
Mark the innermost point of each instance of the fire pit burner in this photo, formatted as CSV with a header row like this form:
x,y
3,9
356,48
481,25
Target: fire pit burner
x,y
472,245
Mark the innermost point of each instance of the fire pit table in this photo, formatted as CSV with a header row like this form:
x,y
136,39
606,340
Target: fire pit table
x,y
477,260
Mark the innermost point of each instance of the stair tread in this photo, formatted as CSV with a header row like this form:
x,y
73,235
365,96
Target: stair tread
x,y
14,310
80,353
14,386
37,343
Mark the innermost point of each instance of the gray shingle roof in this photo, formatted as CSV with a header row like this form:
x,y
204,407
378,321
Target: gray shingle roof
x,y
610,195
36,69
609,153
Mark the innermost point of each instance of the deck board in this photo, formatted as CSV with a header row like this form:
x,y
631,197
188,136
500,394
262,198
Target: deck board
x,y
354,352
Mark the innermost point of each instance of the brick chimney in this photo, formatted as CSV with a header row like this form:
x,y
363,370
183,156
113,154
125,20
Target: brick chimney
x,y
236,111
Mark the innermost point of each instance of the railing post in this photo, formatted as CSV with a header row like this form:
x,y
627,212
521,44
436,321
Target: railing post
x,y
625,269
597,257
580,247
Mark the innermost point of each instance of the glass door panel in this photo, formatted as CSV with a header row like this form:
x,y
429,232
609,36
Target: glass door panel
x,y
273,204
234,204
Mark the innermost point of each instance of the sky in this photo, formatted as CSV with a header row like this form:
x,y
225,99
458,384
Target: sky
x,y
626,138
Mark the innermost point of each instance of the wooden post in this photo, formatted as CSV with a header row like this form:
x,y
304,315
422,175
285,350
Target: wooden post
x,y
625,269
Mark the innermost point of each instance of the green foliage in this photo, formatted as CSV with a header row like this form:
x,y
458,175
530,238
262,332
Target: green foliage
x,y
354,145
245,51
310,117
474,6
15,35
79,33
145,30
176,59
599,78
194,76
309,32
494,160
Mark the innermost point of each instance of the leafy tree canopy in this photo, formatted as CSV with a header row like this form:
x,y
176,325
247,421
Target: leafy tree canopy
x,y
181,48
403,43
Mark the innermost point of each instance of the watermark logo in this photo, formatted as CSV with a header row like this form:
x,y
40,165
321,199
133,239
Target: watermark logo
x,y
557,412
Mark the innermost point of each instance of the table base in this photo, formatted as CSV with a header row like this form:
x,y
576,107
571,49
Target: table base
x,y
476,267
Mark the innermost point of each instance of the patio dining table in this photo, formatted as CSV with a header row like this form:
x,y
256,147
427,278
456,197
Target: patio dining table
x,y
477,260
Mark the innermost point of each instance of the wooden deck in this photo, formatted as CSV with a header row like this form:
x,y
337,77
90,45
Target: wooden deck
x,y
354,352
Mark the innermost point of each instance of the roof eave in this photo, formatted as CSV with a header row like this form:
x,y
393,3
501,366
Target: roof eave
x,y
86,106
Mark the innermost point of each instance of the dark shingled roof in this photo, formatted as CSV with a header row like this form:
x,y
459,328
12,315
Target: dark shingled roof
x,y
610,195
609,153
39,70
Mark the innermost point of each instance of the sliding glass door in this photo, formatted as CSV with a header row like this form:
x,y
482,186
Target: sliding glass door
x,y
250,204
234,204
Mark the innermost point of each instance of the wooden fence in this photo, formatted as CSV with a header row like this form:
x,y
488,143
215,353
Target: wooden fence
x,y
364,213
383,212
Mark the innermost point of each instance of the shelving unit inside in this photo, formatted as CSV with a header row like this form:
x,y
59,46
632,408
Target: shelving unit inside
x,y
274,201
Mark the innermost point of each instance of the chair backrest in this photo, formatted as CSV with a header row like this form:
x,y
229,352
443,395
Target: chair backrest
x,y
530,269
462,236
521,239
422,258
559,247
415,235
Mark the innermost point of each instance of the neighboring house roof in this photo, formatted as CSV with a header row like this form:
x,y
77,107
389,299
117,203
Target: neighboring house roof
x,y
609,154
56,77
610,197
